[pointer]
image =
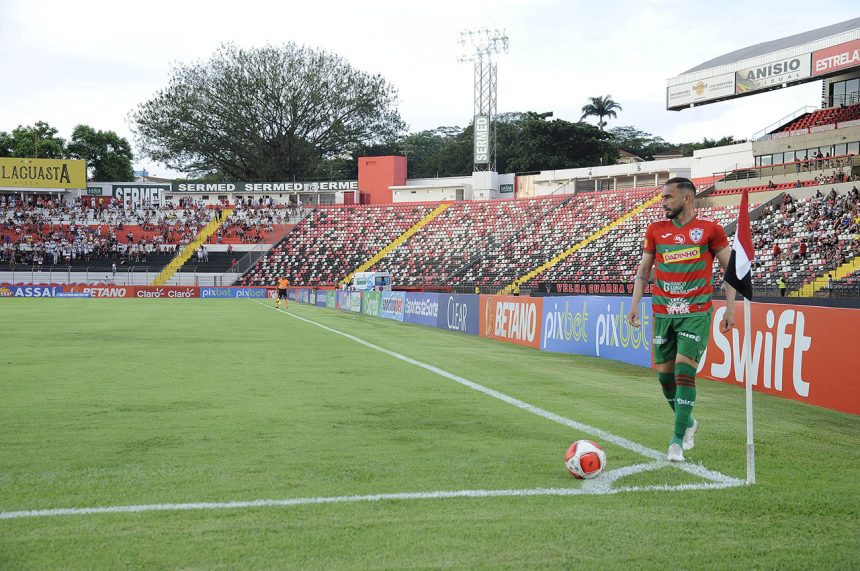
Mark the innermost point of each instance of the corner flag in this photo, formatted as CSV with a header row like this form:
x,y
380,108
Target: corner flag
x,y
739,272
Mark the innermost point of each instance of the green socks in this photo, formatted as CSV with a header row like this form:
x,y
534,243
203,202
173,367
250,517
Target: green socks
x,y
685,398
667,383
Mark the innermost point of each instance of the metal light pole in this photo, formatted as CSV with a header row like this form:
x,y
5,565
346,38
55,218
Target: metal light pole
x,y
479,46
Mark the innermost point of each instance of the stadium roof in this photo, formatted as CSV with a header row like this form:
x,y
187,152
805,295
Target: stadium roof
x,y
809,56
787,42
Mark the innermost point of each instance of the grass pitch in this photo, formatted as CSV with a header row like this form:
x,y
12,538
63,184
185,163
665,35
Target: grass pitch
x,y
143,402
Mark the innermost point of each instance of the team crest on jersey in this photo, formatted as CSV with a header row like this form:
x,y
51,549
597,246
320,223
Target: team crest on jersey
x,y
696,235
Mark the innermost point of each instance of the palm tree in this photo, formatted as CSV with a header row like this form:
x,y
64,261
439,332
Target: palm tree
x,y
601,107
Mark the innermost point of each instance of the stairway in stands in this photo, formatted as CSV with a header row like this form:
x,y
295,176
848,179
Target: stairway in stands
x,y
167,272
582,243
397,241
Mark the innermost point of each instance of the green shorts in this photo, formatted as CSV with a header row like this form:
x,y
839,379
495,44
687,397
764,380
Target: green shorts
x,y
687,336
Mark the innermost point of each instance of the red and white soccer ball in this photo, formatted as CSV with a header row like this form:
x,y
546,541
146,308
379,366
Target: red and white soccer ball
x,y
585,459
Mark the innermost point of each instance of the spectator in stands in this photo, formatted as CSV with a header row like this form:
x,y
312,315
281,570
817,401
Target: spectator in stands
x,y
770,184
798,184
830,285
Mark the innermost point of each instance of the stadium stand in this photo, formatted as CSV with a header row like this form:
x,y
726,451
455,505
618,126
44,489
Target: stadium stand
x,y
803,240
614,257
334,240
822,117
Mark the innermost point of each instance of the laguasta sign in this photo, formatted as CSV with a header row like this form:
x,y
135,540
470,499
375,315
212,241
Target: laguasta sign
x,y
43,173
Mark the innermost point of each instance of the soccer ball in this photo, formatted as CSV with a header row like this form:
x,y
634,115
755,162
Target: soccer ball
x,y
585,459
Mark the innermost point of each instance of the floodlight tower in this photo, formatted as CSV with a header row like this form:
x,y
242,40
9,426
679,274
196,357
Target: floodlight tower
x,y
479,46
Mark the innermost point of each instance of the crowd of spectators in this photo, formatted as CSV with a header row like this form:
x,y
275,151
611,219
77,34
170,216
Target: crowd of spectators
x,y
808,236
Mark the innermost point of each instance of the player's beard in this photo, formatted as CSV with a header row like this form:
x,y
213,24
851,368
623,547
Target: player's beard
x,y
673,213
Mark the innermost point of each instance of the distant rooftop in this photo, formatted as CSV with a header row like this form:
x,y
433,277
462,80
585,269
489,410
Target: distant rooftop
x,y
765,48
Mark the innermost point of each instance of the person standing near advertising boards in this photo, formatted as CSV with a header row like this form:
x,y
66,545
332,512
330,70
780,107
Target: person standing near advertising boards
x,y
683,247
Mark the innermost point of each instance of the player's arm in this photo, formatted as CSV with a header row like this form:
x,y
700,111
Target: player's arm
x,y
728,321
640,280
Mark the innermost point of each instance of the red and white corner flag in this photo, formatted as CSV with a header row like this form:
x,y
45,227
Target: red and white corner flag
x,y
739,272
739,276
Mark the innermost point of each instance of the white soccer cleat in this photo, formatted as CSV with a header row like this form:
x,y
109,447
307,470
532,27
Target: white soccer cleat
x,y
690,436
675,453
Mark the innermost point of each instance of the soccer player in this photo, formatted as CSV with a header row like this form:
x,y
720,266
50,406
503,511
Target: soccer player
x,y
283,284
683,246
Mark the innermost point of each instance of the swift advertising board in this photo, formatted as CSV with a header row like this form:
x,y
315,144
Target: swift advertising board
x,y
392,305
773,73
511,318
700,91
797,352
421,308
597,327
331,299
836,58
459,313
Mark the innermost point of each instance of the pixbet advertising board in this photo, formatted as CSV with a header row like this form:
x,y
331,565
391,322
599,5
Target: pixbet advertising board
x,y
597,327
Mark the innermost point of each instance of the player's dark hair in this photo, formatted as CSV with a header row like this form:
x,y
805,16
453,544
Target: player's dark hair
x,y
682,183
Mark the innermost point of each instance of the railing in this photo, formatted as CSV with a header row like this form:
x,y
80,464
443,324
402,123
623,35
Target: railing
x,y
762,133
794,167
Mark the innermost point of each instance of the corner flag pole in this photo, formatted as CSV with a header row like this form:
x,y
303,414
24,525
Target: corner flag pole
x,y
739,275
749,376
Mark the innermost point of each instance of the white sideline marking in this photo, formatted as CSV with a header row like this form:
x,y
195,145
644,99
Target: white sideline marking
x,y
583,491
602,485
695,469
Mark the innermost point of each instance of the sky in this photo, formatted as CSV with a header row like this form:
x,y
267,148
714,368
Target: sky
x,y
92,62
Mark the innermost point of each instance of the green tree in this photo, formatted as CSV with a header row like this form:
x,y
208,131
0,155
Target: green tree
x,y
530,141
707,143
640,143
36,141
271,113
600,107
108,155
